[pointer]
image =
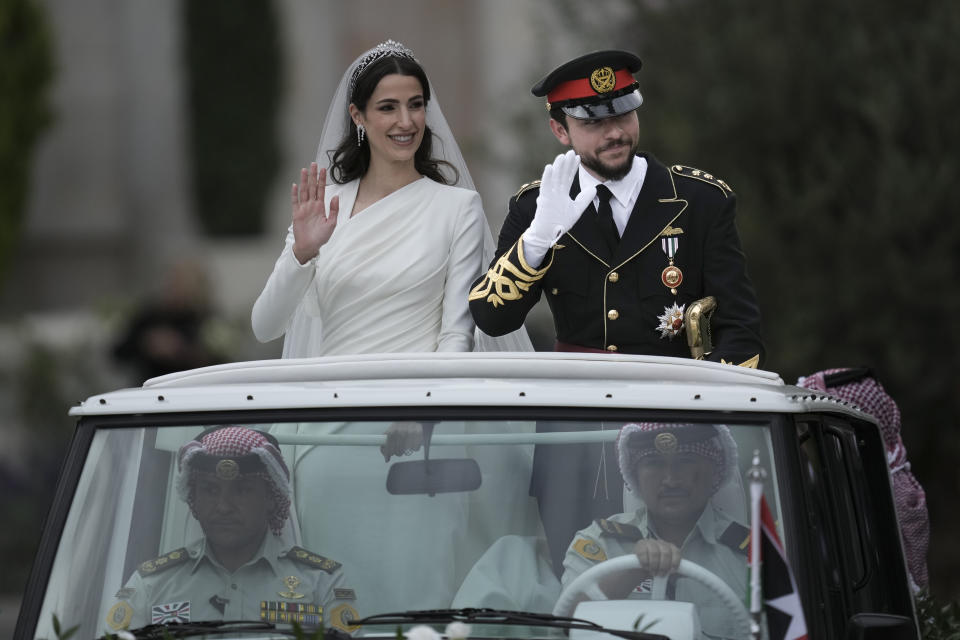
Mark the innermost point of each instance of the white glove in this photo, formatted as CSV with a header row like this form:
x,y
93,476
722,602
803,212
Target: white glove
x,y
556,212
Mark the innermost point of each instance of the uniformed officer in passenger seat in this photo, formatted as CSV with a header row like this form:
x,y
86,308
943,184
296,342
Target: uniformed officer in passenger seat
x,y
238,488
676,471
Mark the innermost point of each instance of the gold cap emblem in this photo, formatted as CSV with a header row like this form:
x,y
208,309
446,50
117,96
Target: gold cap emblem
x,y
603,80
228,469
665,442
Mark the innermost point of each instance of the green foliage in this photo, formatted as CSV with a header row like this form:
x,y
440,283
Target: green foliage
x,y
835,124
62,634
26,67
233,69
646,627
300,634
938,620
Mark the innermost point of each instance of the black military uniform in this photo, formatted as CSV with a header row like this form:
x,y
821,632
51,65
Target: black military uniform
x,y
626,295
680,244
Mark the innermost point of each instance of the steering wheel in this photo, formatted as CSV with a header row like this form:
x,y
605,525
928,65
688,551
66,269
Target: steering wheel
x,y
586,584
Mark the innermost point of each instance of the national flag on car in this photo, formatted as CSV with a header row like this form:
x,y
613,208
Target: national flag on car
x,y
781,601
172,612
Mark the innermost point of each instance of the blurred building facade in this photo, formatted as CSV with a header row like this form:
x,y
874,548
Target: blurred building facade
x,y
110,208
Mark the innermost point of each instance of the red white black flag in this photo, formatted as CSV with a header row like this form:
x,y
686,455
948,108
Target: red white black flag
x,y
781,601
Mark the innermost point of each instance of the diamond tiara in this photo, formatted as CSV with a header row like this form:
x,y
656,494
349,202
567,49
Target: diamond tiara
x,y
382,50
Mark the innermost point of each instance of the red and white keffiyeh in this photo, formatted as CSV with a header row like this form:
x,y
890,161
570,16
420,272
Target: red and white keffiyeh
x,y
235,442
909,498
719,447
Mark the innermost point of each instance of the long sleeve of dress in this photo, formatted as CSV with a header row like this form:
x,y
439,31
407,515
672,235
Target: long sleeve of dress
x,y
282,294
464,266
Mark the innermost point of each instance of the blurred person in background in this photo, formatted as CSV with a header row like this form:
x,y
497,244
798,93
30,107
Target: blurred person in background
x,y
167,334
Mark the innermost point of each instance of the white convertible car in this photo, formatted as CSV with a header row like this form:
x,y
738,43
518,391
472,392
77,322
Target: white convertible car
x,y
483,488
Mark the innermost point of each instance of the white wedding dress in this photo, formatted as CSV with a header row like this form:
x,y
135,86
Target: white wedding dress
x,y
392,278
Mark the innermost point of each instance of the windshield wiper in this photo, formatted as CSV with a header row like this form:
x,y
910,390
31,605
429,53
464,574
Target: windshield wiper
x,y
203,627
501,616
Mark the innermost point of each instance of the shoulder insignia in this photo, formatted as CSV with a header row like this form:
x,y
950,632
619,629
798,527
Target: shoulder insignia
x,y
703,176
311,559
119,616
527,187
621,531
164,562
589,550
737,537
342,617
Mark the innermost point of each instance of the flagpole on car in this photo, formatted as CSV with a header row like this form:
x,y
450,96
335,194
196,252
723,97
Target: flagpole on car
x,y
755,475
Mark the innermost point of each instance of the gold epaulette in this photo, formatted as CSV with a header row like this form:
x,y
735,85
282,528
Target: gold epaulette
x,y
527,187
703,176
311,559
621,531
164,562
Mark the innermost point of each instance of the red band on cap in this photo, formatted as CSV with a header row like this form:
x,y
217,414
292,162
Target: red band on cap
x,y
581,87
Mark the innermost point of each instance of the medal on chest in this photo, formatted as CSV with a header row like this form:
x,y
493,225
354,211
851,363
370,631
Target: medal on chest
x,y
671,321
291,582
671,276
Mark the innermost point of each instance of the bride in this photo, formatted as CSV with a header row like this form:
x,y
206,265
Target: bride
x,y
387,236
382,259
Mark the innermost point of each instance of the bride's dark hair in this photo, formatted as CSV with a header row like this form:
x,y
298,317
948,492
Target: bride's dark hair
x,y
350,161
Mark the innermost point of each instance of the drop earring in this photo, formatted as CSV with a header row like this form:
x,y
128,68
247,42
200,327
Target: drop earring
x,y
361,132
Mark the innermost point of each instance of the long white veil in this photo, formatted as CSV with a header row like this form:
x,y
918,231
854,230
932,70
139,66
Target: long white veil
x,y
337,125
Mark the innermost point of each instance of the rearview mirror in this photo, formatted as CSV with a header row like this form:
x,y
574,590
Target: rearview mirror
x,y
443,475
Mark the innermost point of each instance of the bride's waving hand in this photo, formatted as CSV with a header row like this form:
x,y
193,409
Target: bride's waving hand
x,y
312,226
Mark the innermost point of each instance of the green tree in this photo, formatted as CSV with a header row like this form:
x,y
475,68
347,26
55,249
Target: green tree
x,y
26,68
835,123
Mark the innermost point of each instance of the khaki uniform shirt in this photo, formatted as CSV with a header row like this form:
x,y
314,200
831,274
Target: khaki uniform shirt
x,y
280,584
716,543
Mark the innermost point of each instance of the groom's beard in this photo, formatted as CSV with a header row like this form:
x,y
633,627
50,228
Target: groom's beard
x,y
608,171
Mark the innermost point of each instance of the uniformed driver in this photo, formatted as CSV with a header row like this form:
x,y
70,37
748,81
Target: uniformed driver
x,y
676,471
238,488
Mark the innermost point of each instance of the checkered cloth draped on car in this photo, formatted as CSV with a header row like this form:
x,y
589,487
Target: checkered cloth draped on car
x,y
860,388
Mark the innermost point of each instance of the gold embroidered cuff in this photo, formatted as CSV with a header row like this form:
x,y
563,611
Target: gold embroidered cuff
x,y
507,281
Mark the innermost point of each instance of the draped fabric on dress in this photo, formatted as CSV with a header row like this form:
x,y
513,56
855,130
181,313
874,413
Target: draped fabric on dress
x,y
392,278
381,281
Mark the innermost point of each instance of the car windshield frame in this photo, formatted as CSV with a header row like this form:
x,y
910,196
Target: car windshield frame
x,y
89,425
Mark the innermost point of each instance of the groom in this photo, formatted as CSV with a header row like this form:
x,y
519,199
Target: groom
x,y
619,243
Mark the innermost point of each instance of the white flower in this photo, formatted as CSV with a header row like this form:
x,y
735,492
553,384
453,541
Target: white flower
x,y
125,635
423,632
457,630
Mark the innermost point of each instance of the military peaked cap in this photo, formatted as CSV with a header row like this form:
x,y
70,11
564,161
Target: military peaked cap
x,y
594,86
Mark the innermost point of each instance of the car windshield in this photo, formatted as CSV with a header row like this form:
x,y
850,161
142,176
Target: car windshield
x,y
191,522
